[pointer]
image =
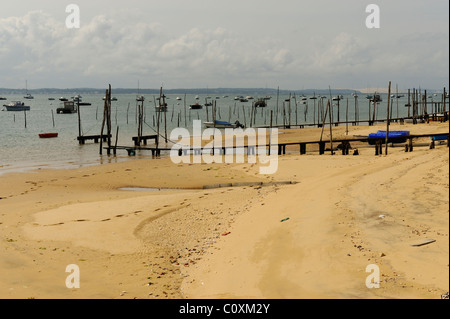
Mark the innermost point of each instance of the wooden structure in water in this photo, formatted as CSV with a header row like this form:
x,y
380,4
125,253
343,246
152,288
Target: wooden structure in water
x,y
96,138
343,144
144,138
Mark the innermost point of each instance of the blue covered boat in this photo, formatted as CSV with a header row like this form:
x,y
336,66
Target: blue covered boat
x,y
393,137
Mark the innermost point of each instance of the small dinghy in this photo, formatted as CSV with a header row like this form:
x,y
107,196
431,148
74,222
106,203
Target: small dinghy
x,y
48,135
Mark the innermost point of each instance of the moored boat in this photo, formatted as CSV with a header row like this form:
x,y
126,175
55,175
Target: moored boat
x,y
196,106
67,108
223,124
48,135
393,137
261,103
16,106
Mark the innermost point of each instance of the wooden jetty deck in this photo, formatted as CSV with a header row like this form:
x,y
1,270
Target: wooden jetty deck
x,y
343,145
439,116
96,138
143,139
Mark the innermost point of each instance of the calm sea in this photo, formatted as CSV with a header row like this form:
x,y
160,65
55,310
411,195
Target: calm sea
x,y
22,149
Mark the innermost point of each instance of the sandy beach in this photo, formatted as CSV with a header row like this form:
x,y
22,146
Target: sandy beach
x,y
308,231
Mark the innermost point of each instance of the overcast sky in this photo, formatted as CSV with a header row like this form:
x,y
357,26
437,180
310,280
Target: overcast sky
x,y
292,44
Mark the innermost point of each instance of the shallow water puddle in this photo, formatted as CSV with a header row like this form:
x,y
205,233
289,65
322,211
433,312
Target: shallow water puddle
x,y
146,189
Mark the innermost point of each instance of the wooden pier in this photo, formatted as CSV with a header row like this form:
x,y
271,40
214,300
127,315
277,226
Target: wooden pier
x,y
343,145
436,117
138,139
82,139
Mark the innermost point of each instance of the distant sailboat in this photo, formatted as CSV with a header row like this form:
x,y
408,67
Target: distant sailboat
x,y
27,96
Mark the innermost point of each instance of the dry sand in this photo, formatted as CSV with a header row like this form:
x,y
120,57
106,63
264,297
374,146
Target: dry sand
x,y
311,239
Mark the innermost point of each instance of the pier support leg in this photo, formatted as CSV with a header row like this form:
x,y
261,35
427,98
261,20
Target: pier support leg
x,y
321,148
302,148
378,148
432,145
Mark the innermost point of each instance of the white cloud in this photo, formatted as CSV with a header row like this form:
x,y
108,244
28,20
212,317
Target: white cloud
x,y
124,47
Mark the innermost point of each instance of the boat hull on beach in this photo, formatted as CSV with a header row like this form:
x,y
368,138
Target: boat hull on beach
x,y
393,137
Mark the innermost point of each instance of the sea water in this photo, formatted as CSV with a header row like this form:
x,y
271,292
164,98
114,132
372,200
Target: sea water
x,y
22,149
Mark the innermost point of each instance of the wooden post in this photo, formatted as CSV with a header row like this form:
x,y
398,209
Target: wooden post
x,y
387,119
251,115
338,111
374,106
165,117
396,97
270,133
276,113
409,103
117,137
103,125
109,120
331,133
424,107
128,108
346,119
214,125
443,107
324,119
79,118
289,109
185,121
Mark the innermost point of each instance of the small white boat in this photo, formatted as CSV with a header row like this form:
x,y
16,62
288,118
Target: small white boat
x,y
178,98
16,106
27,96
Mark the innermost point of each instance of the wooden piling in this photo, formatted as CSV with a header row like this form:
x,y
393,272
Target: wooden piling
x,y
387,118
331,133
346,119
79,117
103,125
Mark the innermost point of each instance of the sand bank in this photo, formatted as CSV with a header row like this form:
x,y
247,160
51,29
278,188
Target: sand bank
x,y
312,239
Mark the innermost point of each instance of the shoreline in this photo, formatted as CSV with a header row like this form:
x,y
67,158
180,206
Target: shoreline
x,y
132,244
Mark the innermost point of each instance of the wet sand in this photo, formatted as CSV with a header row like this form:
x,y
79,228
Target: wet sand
x,y
313,238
